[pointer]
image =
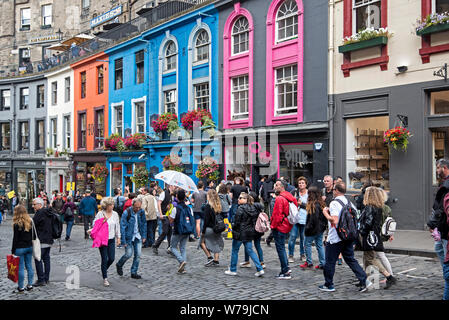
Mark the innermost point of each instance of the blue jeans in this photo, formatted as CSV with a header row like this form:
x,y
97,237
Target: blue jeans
x,y
446,279
319,248
279,240
258,249
68,230
297,229
181,240
44,264
248,249
440,249
107,257
151,232
332,253
232,212
135,246
26,255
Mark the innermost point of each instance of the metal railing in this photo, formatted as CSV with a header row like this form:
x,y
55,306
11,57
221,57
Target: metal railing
x,y
105,39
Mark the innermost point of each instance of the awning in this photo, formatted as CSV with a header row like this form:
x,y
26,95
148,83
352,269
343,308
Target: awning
x,y
77,39
58,47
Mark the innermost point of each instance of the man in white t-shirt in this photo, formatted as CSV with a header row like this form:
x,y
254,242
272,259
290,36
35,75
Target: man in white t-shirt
x,y
335,245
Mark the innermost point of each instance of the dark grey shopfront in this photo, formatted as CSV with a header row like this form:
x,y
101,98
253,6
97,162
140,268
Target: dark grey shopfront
x,y
409,177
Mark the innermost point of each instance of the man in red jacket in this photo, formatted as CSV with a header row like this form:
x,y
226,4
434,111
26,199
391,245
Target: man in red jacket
x,y
281,227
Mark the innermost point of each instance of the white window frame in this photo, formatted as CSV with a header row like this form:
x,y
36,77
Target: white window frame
x,y
22,19
85,4
197,98
135,103
37,147
175,101
67,89
3,136
201,46
27,144
25,105
239,91
294,78
45,17
434,6
239,33
54,133
5,98
295,14
140,64
67,131
172,55
54,93
114,108
354,12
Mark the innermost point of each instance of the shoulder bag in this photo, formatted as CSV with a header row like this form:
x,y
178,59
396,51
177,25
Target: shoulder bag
x,y
36,243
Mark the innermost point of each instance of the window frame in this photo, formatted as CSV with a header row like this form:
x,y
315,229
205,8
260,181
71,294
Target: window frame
x,y
54,93
115,108
140,66
44,17
285,93
100,79
83,88
239,33
354,13
118,71
2,148
67,89
201,46
54,133
2,100
67,131
82,132
175,102
172,55
99,137
239,91
196,98
139,104
22,105
40,98
19,140
276,31
38,136
25,27
434,7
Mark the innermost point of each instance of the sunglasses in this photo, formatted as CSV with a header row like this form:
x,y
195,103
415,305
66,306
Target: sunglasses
x,y
242,198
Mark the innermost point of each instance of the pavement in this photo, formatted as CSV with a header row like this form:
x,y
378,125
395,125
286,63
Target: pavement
x,y
412,242
419,277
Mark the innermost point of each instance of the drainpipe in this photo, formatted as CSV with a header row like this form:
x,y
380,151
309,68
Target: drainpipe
x,y
331,102
13,135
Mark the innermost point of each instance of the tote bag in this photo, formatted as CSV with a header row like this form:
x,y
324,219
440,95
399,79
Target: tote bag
x,y
36,244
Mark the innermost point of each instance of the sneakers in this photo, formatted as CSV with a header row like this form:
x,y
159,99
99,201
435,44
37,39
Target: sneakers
x,y
306,266
319,267
302,258
263,265
245,264
284,276
326,289
106,282
340,261
136,276
181,267
209,262
365,286
155,250
39,284
19,290
215,263
230,273
29,288
169,251
119,270
290,259
259,273
268,242
391,281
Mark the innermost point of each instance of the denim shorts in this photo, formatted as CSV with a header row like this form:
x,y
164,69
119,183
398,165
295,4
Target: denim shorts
x,y
198,215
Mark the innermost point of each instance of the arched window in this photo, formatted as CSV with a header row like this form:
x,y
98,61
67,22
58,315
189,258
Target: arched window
x,y
202,43
170,56
287,21
240,36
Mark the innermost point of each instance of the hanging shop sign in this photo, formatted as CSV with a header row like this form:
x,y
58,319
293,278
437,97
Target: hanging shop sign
x,y
43,39
106,16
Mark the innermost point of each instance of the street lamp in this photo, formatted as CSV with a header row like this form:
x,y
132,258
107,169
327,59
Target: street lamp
x,y
59,33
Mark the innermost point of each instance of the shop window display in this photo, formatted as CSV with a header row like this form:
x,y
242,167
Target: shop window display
x,y
367,156
440,149
116,176
296,160
238,162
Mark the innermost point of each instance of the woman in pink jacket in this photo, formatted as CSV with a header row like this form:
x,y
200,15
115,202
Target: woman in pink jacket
x,y
106,235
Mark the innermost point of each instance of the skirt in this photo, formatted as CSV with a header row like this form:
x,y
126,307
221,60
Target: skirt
x,y
214,241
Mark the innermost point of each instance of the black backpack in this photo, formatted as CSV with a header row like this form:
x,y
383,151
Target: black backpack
x,y
68,214
117,207
219,226
56,225
347,228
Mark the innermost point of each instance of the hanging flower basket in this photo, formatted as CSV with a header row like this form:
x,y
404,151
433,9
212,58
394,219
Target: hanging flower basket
x,y
141,177
397,138
166,122
173,163
200,115
114,142
208,168
135,141
100,172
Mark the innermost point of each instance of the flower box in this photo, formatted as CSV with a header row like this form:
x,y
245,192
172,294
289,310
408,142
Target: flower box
x,y
433,29
363,44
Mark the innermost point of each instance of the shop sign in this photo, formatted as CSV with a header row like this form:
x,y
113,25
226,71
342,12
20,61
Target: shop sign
x,y
4,164
43,39
106,16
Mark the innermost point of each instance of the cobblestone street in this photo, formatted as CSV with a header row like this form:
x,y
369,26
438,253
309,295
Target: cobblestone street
x,y
418,277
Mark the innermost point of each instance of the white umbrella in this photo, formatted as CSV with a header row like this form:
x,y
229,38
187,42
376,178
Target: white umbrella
x,y
178,179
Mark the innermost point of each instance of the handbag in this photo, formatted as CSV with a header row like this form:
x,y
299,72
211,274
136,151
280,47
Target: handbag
x,y
36,244
12,263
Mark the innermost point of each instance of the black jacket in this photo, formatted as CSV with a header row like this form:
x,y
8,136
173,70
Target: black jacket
x,y
42,219
370,227
438,217
244,225
21,238
316,222
209,218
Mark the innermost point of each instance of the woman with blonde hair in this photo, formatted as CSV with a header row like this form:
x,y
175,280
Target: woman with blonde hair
x,y
107,252
210,241
370,229
386,212
22,246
